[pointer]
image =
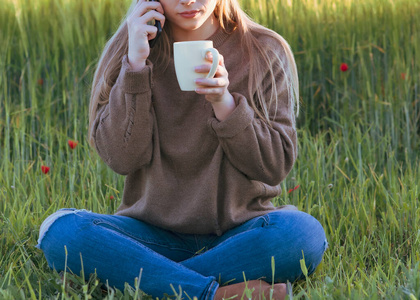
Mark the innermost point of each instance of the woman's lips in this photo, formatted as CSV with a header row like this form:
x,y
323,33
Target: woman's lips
x,y
189,14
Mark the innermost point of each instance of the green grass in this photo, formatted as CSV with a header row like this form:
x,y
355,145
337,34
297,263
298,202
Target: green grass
x,y
359,138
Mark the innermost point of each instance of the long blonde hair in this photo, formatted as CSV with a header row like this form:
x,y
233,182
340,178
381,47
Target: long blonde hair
x,y
231,18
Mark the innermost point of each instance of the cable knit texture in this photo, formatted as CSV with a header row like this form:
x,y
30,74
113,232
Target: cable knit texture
x,y
185,170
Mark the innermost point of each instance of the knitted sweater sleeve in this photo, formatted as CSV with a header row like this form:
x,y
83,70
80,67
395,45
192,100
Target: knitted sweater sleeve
x,y
123,127
260,151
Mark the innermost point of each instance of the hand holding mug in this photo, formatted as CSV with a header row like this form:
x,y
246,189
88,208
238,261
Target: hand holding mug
x,y
187,56
197,70
215,88
140,31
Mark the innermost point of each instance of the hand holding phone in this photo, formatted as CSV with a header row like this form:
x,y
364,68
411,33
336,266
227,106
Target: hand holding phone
x,y
144,22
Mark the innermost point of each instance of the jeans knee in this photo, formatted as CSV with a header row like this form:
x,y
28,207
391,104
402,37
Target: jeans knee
x,y
300,236
311,234
60,236
59,226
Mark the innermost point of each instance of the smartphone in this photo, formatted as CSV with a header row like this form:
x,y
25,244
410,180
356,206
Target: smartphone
x,y
159,31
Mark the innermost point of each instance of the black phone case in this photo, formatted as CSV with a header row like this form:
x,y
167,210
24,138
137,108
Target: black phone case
x,y
159,31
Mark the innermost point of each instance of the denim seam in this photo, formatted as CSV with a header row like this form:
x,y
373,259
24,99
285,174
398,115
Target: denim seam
x,y
266,219
212,284
122,232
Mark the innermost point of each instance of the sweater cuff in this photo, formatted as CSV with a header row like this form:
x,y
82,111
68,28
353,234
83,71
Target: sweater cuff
x,y
238,120
135,82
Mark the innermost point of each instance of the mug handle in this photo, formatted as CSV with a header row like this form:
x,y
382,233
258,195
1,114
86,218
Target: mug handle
x,y
215,62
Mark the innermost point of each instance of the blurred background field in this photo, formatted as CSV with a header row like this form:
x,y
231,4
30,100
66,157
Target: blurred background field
x,y
359,135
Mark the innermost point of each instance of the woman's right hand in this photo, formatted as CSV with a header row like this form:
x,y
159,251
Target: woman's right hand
x,y
140,32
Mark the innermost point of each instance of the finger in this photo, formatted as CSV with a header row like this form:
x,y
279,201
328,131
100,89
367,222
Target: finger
x,y
209,57
203,68
151,31
220,71
212,82
143,6
147,18
210,91
154,15
221,60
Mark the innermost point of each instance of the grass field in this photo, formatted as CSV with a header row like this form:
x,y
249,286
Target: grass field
x,y
359,138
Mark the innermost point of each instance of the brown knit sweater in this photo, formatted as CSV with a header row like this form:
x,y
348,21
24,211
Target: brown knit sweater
x,y
186,171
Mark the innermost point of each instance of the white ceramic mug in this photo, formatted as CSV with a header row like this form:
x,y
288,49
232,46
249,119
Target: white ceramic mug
x,y
187,56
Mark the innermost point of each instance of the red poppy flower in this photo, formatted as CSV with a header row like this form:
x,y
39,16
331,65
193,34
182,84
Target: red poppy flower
x,y
294,189
40,81
111,197
45,169
73,144
344,67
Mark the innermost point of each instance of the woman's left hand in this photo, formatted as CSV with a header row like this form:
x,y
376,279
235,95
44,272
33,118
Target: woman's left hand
x,y
215,89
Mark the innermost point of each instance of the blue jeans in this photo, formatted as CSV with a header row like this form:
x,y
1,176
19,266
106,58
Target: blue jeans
x,y
118,247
